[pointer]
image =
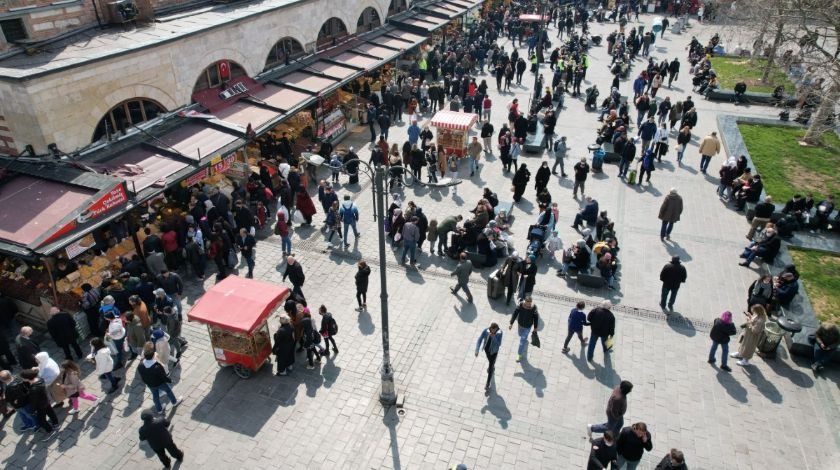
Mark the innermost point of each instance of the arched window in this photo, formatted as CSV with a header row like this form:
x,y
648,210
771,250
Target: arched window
x,y
285,50
214,75
331,30
396,6
368,20
126,114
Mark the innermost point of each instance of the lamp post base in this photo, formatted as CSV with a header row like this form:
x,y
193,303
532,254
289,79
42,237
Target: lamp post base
x,y
388,394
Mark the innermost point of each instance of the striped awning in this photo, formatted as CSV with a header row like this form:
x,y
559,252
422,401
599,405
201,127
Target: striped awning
x,y
454,120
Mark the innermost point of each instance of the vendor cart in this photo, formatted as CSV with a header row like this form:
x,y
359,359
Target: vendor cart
x,y
236,312
453,128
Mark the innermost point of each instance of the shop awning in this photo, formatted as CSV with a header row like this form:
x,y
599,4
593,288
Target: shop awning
x,y
454,120
243,113
309,82
356,60
142,167
213,101
195,140
281,97
336,71
407,36
383,53
32,206
237,304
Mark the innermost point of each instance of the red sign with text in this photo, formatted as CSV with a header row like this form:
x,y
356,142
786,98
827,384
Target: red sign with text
x,y
111,200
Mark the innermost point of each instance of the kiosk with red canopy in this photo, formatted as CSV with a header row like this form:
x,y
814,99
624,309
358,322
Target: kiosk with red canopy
x,y
236,312
453,127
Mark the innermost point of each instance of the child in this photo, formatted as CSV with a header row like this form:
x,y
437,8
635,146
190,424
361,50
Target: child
x,y
554,243
262,214
432,234
73,386
452,170
577,320
335,167
329,328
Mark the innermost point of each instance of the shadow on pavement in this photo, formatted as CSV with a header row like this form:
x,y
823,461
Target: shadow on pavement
x,y
391,419
366,326
579,361
674,249
732,386
533,376
680,324
763,385
467,312
607,374
497,407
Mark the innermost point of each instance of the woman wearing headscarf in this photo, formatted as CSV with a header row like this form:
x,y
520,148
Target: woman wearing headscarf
x,y
722,329
760,292
284,346
520,181
728,172
304,204
397,222
751,334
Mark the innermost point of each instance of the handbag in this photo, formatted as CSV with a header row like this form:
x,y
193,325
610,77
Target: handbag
x,y
610,342
233,260
535,339
298,218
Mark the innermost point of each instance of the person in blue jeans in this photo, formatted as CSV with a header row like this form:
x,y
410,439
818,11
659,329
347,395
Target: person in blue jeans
x,y
16,393
602,325
577,320
491,338
826,340
527,317
154,376
410,236
722,329
616,407
349,215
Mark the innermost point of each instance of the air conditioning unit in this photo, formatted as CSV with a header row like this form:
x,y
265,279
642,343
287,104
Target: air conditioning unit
x,y
122,11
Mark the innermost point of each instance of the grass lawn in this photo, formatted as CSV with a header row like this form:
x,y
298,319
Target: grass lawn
x,y
788,168
731,70
818,271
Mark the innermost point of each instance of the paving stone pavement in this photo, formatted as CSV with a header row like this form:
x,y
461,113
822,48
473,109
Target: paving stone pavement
x,y
773,415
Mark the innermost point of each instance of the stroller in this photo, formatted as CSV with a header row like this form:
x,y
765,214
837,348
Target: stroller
x,y
536,240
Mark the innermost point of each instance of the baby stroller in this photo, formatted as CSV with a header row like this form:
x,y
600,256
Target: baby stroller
x,y
536,240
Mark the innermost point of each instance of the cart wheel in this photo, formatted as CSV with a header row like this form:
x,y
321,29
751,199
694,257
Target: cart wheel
x,y
242,371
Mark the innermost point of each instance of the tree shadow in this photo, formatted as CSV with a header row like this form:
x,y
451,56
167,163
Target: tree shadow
x,y
732,386
763,385
366,326
533,376
497,407
466,312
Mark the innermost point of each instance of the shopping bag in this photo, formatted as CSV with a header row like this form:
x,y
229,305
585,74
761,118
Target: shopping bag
x,y
610,343
535,339
298,218
57,392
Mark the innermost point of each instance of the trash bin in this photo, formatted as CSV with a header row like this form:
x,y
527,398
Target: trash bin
x,y
770,341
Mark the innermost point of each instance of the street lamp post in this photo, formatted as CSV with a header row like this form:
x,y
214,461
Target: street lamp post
x,y
388,392
539,50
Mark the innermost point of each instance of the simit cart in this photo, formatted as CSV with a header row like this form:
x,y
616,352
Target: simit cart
x,y
453,130
236,312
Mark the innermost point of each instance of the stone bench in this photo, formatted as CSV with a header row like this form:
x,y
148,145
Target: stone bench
x,y
751,97
504,206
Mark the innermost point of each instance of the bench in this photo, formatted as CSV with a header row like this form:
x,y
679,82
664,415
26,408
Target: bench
x,y
752,97
535,143
590,280
478,260
504,206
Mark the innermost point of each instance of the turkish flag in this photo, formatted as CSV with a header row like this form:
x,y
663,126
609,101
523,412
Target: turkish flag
x,y
224,70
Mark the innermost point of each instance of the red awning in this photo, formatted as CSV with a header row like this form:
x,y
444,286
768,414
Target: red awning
x,y
281,98
454,120
211,100
142,167
196,140
33,206
238,304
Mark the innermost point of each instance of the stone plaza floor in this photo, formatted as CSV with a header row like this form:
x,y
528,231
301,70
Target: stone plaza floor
x,y
775,414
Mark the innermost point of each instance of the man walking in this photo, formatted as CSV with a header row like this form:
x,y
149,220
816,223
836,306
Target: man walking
x,y
154,376
491,339
616,407
602,325
294,271
174,287
672,275
560,149
474,153
709,146
62,328
246,243
410,236
349,215
669,213
155,431
527,317
462,273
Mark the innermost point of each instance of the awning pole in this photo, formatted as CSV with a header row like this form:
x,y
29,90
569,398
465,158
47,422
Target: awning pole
x,y
52,281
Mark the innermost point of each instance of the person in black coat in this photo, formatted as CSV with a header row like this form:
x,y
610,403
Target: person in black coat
x,y
722,329
62,328
27,348
362,276
632,442
520,181
284,346
603,454
673,460
672,275
542,178
39,402
767,248
155,431
294,271
602,326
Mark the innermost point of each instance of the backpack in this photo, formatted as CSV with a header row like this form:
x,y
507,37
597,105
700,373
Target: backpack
x,y
347,213
332,328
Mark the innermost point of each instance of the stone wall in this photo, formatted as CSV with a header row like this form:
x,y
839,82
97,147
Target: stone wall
x,y
65,107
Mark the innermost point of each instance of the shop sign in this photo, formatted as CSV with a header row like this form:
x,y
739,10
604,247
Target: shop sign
x,y
78,247
239,170
221,165
111,200
195,178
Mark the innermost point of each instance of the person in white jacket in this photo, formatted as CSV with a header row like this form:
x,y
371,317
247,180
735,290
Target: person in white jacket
x,y
100,355
661,141
48,371
161,341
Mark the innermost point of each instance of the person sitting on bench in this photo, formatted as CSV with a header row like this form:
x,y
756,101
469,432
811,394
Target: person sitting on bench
x,y
577,257
740,91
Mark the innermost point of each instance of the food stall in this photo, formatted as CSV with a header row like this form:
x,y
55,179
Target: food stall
x,y
236,312
453,129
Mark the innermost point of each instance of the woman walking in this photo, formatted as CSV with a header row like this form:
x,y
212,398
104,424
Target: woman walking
x,y
683,138
489,340
101,357
73,386
751,335
722,329
520,181
329,328
362,276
